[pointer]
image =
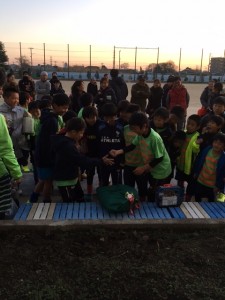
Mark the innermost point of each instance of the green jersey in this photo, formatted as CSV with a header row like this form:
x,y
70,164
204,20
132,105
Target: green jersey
x,y
152,147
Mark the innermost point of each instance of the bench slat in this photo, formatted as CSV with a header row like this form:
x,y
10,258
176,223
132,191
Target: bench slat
x,y
38,211
203,212
63,211
185,211
218,209
69,213
19,212
208,210
191,211
147,210
26,212
32,211
100,212
51,211
57,211
45,211
82,211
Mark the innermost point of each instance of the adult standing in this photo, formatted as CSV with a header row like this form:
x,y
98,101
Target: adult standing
x,y
118,85
140,92
155,98
54,79
92,87
42,86
26,84
178,95
168,86
77,90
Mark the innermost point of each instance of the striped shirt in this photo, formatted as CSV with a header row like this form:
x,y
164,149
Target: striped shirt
x,y
207,175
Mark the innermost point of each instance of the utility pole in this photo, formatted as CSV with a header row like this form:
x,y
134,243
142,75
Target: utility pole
x,y
179,61
31,58
119,59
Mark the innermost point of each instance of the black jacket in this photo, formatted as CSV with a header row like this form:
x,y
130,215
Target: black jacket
x,y
120,88
48,127
67,158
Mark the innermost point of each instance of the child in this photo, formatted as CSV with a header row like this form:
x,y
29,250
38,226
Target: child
x,y
160,124
122,112
67,159
90,116
24,100
56,87
209,170
9,168
188,155
33,109
14,115
153,151
213,126
133,159
177,114
174,151
50,123
105,95
110,136
85,100
218,109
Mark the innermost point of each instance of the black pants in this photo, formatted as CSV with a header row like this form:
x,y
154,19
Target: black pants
x,y
72,193
202,191
141,180
34,166
114,171
154,184
23,161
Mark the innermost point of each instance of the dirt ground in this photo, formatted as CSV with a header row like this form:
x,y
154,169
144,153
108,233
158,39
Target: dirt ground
x,y
110,264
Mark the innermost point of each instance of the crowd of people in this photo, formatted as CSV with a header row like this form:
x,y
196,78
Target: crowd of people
x,y
144,141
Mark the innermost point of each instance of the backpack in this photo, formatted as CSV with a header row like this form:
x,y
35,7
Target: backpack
x,y
118,198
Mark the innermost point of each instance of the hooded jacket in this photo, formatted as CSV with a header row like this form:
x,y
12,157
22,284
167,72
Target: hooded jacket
x,y
220,168
49,125
120,88
8,162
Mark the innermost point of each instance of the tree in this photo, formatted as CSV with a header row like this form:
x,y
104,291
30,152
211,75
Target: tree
x,y
24,64
3,57
163,68
124,66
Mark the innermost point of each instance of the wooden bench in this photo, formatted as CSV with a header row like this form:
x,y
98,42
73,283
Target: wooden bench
x,y
91,213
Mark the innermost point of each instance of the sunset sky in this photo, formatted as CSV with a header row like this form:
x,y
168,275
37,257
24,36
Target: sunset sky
x,y
168,24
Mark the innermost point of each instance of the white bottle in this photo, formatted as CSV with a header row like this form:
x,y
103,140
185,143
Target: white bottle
x,y
28,125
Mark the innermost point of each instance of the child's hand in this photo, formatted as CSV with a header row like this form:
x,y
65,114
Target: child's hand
x,y
199,141
141,170
115,153
108,161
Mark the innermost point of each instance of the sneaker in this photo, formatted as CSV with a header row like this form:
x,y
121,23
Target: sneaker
x,y
25,169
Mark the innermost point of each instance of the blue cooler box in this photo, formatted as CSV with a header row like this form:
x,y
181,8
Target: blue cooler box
x,y
168,195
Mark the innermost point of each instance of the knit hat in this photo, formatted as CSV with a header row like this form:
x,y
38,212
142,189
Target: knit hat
x,y
44,73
